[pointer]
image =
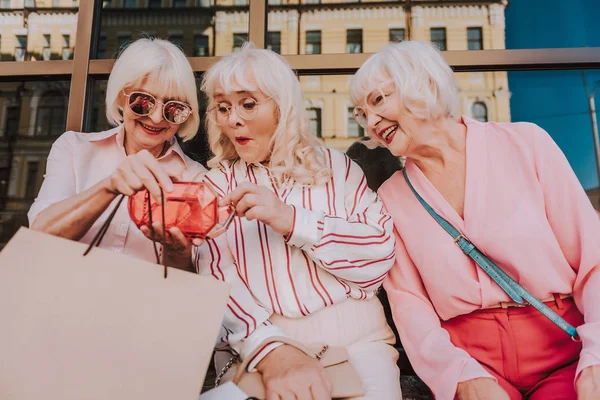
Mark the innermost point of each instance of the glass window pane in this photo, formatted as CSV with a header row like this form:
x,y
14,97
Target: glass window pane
x,y
313,42
238,41
180,20
397,34
177,40
438,37
274,41
30,29
382,22
26,108
556,23
314,121
201,46
474,39
354,41
31,183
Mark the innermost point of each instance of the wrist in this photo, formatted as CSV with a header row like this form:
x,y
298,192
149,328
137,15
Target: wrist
x,y
289,220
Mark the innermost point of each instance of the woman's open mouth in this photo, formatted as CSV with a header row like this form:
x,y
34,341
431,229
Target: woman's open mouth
x,y
388,134
242,140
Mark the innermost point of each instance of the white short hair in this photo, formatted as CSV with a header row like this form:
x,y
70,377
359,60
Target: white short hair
x,y
158,61
422,77
295,152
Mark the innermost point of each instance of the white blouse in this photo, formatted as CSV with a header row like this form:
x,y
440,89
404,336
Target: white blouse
x,y
341,245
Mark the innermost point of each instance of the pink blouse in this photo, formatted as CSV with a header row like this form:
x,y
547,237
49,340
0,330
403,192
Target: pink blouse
x,y
525,209
78,161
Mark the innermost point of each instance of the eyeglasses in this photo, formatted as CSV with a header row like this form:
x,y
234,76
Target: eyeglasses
x,y
246,108
375,103
143,104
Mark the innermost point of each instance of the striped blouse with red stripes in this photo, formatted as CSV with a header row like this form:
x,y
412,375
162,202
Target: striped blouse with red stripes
x,y
341,245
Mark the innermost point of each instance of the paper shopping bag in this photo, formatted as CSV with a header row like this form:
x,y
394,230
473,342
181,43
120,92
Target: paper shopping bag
x,y
101,326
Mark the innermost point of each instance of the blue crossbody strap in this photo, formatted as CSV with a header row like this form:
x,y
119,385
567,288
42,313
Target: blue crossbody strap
x,y
516,292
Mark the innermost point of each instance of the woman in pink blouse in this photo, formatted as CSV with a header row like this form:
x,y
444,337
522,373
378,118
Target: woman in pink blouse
x,y
311,245
508,189
149,102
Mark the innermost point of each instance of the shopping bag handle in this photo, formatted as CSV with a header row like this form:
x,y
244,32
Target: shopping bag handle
x,y
104,228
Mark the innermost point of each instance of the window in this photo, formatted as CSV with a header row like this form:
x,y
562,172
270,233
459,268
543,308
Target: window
x,y
397,35
21,48
154,3
438,37
204,3
11,125
479,112
129,3
314,121
313,42
123,41
51,113
179,3
177,40
354,41
312,1
240,2
238,40
107,4
274,2
46,52
5,3
274,41
101,51
474,39
354,129
66,49
201,46
56,3
31,184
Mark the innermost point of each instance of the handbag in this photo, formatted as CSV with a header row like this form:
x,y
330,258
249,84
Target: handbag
x,y
515,291
344,379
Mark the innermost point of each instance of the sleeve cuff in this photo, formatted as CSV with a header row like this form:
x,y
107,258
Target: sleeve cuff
x,y
307,228
590,355
262,353
249,346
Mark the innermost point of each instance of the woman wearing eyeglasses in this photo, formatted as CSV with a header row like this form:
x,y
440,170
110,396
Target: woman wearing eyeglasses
x,y
471,192
311,244
150,97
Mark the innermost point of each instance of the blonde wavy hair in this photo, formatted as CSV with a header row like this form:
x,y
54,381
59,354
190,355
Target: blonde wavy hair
x,y
296,156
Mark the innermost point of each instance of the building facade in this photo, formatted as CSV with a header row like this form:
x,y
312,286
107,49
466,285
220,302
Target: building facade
x,y
33,113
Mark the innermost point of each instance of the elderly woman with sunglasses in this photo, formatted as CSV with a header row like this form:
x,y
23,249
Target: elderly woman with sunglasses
x,y
511,197
149,102
310,244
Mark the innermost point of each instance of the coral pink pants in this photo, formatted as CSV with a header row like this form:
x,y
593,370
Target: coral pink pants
x,y
528,354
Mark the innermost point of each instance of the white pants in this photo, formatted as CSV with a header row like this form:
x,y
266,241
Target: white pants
x,y
361,327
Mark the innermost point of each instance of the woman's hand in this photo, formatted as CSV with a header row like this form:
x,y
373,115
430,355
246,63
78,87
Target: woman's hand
x,y
138,171
480,389
289,374
257,202
177,249
588,384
